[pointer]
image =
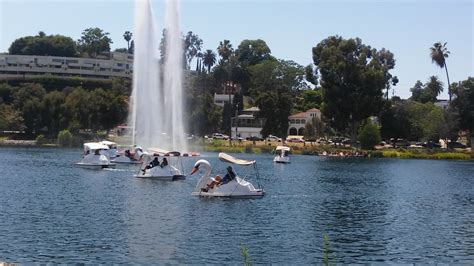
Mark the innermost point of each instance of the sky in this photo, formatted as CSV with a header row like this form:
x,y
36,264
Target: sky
x,y
408,28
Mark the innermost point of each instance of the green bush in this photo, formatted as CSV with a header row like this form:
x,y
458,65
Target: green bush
x,y
369,136
40,140
248,149
65,138
266,149
376,154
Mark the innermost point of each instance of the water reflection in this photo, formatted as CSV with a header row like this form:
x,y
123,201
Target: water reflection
x,y
374,210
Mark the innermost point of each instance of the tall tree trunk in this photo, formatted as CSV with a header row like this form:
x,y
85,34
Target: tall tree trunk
x,y
449,84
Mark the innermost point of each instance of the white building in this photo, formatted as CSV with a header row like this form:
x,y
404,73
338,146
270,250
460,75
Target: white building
x,y
221,99
246,124
119,65
298,121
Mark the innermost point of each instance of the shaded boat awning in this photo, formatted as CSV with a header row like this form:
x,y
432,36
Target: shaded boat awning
x,y
282,148
162,152
95,146
230,159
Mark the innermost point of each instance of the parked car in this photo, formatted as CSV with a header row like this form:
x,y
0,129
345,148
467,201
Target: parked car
x,y
296,140
455,144
431,144
273,138
254,138
322,141
398,143
220,136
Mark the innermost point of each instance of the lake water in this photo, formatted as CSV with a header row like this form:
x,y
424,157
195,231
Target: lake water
x,y
373,210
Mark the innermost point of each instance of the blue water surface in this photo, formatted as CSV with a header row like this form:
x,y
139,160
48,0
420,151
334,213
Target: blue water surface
x,y
372,210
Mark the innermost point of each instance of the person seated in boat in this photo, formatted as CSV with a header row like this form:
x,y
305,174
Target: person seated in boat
x,y
164,163
216,181
229,176
128,154
152,164
97,152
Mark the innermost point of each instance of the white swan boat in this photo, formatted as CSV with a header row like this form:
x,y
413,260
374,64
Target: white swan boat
x,y
128,158
94,156
112,151
234,186
161,166
281,154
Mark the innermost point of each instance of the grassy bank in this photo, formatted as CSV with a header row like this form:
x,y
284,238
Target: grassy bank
x,y
262,147
423,154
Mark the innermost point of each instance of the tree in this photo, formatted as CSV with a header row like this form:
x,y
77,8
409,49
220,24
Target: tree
x,y
77,109
53,111
225,50
419,94
427,92
94,41
202,108
52,45
434,87
352,80
10,118
369,135
311,75
252,52
132,47
209,59
127,36
309,99
5,93
313,129
192,46
438,55
464,103
273,84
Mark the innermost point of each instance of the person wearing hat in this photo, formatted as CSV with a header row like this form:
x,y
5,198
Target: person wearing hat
x,y
229,176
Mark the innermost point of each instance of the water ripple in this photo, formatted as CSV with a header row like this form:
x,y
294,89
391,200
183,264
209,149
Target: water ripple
x,y
374,211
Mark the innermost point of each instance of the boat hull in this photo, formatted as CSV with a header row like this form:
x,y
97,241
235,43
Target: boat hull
x,y
256,194
95,166
164,178
279,159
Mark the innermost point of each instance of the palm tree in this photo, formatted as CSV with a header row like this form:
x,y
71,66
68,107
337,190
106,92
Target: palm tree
x,y
434,86
127,36
225,50
209,59
439,53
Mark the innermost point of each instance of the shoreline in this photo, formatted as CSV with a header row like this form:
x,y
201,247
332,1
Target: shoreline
x,y
299,149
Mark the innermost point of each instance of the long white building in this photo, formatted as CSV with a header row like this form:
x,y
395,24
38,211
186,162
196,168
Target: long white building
x,y
119,65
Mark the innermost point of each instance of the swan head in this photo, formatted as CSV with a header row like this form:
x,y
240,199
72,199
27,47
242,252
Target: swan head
x,y
201,164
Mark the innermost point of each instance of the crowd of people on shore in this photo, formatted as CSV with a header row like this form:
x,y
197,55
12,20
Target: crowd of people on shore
x,y
344,154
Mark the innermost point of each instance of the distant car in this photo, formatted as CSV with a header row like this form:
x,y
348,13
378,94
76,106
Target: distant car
x,y
454,144
401,143
220,136
254,138
273,138
431,144
322,141
297,140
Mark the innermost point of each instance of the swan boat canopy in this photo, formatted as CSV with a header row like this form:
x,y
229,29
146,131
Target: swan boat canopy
x,y
162,165
95,156
231,185
112,151
281,154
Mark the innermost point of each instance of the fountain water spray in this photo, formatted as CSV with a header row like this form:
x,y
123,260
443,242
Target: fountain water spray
x,y
156,108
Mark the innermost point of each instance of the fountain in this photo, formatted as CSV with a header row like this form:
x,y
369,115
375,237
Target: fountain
x,y
157,105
